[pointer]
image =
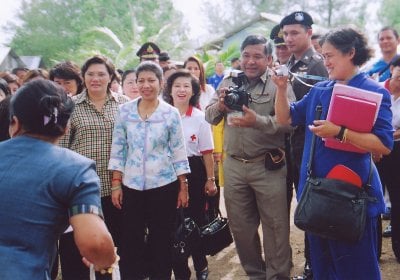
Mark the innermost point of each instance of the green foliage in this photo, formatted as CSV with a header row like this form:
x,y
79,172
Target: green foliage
x,y
390,11
75,29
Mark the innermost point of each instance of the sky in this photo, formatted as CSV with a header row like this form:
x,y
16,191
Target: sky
x,y
190,9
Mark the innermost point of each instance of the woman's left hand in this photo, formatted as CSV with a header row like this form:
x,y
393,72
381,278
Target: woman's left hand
x,y
324,128
210,188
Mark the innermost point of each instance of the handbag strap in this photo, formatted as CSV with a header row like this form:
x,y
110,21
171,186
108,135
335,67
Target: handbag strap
x,y
318,112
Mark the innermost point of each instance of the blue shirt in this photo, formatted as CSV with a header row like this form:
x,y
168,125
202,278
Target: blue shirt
x,y
215,80
303,113
379,66
41,187
150,153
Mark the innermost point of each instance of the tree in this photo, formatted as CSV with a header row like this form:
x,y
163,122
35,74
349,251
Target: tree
x,y
389,12
75,29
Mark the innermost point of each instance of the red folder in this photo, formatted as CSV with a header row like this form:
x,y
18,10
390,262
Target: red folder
x,y
342,172
355,111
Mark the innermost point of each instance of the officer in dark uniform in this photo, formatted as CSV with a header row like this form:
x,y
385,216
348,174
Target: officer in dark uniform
x,y
281,50
306,67
148,51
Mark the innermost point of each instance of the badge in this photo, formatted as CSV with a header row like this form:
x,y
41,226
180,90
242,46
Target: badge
x,y
299,16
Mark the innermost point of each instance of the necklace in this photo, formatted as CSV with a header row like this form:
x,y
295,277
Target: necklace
x,y
145,113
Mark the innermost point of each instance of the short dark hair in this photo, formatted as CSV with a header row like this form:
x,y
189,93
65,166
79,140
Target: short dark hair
x,y
67,70
4,87
234,59
395,33
257,40
151,66
126,73
99,59
345,39
194,100
42,107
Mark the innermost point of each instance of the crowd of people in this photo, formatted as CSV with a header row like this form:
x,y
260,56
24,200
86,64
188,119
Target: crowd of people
x,y
100,159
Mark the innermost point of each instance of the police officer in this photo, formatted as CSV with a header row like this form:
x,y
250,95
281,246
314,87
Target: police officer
x,y
306,68
148,51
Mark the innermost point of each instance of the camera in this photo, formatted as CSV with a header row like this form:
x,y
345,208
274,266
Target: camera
x,y
237,96
282,70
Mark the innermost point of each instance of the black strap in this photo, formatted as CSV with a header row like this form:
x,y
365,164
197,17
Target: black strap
x,y
318,112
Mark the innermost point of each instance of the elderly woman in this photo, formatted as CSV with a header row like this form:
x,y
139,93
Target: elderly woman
x,y
149,164
60,192
344,50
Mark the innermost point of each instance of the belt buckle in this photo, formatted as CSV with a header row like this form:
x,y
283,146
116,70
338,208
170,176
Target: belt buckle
x,y
246,160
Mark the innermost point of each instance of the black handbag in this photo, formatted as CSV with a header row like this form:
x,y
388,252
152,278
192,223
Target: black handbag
x,y
216,235
331,208
185,234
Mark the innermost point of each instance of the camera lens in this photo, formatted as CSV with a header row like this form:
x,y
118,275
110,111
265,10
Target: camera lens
x,y
231,99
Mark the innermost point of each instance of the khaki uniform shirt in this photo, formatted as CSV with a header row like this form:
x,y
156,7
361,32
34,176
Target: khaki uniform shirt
x,y
251,142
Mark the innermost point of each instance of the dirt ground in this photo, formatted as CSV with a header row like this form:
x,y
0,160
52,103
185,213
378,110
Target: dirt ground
x,y
226,266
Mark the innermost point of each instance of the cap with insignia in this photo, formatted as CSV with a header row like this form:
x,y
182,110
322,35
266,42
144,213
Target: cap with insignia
x,y
297,18
148,50
277,35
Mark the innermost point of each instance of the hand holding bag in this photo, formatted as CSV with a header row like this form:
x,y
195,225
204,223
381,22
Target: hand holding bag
x,y
332,208
186,232
216,235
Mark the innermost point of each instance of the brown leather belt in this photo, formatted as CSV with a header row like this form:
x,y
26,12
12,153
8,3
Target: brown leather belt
x,y
250,160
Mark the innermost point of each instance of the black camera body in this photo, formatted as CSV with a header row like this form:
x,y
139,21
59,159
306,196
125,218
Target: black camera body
x,y
237,96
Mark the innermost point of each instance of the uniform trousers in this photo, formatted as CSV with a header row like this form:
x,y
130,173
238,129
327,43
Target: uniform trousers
x,y
154,209
254,195
389,172
336,260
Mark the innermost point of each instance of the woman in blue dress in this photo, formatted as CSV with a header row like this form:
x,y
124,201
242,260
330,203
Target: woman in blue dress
x,y
344,51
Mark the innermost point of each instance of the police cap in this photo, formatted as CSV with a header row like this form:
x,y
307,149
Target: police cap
x,y
297,18
148,50
277,35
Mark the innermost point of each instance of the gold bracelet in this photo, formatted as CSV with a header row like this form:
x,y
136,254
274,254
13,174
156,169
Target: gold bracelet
x,y
116,188
211,179
344,136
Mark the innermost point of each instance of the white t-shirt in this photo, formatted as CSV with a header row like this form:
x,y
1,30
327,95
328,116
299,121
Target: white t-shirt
x,y
205,97
197,133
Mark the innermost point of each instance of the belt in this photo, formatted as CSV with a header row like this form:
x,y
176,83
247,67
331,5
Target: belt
x,y
250,160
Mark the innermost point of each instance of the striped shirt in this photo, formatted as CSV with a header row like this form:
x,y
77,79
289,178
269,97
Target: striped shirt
x,y
90,133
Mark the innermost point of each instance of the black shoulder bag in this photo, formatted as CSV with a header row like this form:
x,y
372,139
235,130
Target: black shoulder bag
x,y
331,208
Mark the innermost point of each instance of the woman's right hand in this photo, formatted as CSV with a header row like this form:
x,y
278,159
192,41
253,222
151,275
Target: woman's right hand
x,y
280,81
116,198
183,196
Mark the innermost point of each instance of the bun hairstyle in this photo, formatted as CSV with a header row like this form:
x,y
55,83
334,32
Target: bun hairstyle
x,y
42,107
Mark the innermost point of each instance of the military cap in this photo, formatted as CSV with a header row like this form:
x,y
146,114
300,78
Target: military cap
x,y
163,56
277,35
297,18
148,50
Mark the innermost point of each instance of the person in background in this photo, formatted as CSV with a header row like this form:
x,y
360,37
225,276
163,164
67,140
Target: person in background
x,y
68,75
149,166
218,75
184,90
388,39
345,50
20,72
90,135
116,83
60,192
388,164
35,74
235,63
148,51
129,85
281,50
12,81
315,38
167,71
306,67
163,59
255,195
196,67
5,96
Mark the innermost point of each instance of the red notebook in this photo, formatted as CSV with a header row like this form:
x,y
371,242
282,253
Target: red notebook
x,y
355,109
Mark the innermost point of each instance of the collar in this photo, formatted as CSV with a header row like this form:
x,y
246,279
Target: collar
x,y
306,58
386,84
84,97
189,111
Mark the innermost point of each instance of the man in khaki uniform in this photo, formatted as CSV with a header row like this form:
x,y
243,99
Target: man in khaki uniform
x,y
254,193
